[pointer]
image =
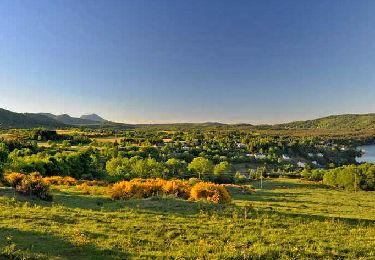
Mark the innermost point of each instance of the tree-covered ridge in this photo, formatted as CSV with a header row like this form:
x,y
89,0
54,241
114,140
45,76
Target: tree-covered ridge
x,y
348,121
10,119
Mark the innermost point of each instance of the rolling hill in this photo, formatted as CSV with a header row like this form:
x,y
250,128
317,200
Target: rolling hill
x,y
69,120
335,122
94,117
9,119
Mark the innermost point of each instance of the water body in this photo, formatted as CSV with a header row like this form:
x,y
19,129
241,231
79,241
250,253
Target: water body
x,y
369,155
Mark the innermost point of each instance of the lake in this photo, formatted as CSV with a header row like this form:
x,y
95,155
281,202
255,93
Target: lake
x,y
369,155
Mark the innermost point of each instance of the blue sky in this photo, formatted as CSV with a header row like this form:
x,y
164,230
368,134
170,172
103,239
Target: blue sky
x,y
188,61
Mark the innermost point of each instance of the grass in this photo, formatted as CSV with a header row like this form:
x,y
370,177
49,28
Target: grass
x,y
287,219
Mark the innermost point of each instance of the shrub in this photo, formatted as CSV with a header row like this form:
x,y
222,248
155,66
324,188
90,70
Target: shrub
x,y
13,179
137,188
53,180
59,180
180,189
211,192
34,185
145,188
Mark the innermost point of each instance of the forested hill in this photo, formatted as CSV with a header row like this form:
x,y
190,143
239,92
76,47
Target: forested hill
x,y
336,122
9,119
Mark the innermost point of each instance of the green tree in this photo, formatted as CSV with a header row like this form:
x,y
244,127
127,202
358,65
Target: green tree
x,y
176,168
201,165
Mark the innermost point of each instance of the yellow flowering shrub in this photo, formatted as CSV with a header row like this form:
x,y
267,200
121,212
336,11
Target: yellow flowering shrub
x,y
34,185
178,188
211,192
59,180
144,188
14,178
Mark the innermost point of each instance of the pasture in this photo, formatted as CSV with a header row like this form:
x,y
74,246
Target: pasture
x,y
287,219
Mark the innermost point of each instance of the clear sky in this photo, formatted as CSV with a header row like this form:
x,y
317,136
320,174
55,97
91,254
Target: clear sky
x,y
182,61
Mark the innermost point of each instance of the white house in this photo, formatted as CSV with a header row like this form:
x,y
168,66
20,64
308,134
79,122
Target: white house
x,y
285,157
240,145
314,162
319,154
260,156
301,164
310,155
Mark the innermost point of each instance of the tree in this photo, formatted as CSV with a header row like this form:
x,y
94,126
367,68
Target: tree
x,y
201,165
221,168
176,168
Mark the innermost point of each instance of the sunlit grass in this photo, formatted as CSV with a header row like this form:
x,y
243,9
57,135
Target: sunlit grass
x,y
285,220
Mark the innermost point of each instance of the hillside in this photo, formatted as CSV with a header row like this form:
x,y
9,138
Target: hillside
x,y
9,119
335,122
94,117
69,120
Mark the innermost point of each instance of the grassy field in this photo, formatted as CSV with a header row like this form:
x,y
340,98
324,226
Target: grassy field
x,y
287,219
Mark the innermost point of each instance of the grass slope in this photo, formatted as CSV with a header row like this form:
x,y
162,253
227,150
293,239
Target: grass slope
x,y
289,220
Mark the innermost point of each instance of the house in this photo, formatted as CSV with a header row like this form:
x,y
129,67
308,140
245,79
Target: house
x,y
301,164
319,154
314,162
310,154
260,156
240,145
285,157
185,148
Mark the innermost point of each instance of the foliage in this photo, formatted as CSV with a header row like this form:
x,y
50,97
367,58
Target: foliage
x,y
34,185
201,166
59,180
14,179
211,192
352,177
144,188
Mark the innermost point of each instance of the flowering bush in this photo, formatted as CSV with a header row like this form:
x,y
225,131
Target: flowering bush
x,y
144,188
211,192
59,180
34,185
14,178
178,188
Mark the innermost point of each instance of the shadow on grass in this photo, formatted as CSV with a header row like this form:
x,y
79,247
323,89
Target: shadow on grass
x,y
160,205
17,244
287,184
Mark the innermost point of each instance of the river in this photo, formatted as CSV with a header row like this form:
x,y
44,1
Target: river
x,y
369,155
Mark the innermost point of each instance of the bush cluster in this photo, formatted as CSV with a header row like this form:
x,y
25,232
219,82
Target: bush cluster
x,y
144,188
30,185
59,180
14,178
211,192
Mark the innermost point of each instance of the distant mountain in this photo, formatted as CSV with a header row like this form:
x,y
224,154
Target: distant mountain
x,y
94,117
335,122
69,120
9,119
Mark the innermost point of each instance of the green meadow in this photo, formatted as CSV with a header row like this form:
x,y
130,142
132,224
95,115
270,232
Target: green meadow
x,y
286,219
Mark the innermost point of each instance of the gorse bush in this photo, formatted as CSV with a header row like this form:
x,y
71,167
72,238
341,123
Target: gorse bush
x,y
145,188
180,189
211,192
59,180
13,179
137,188
34,185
